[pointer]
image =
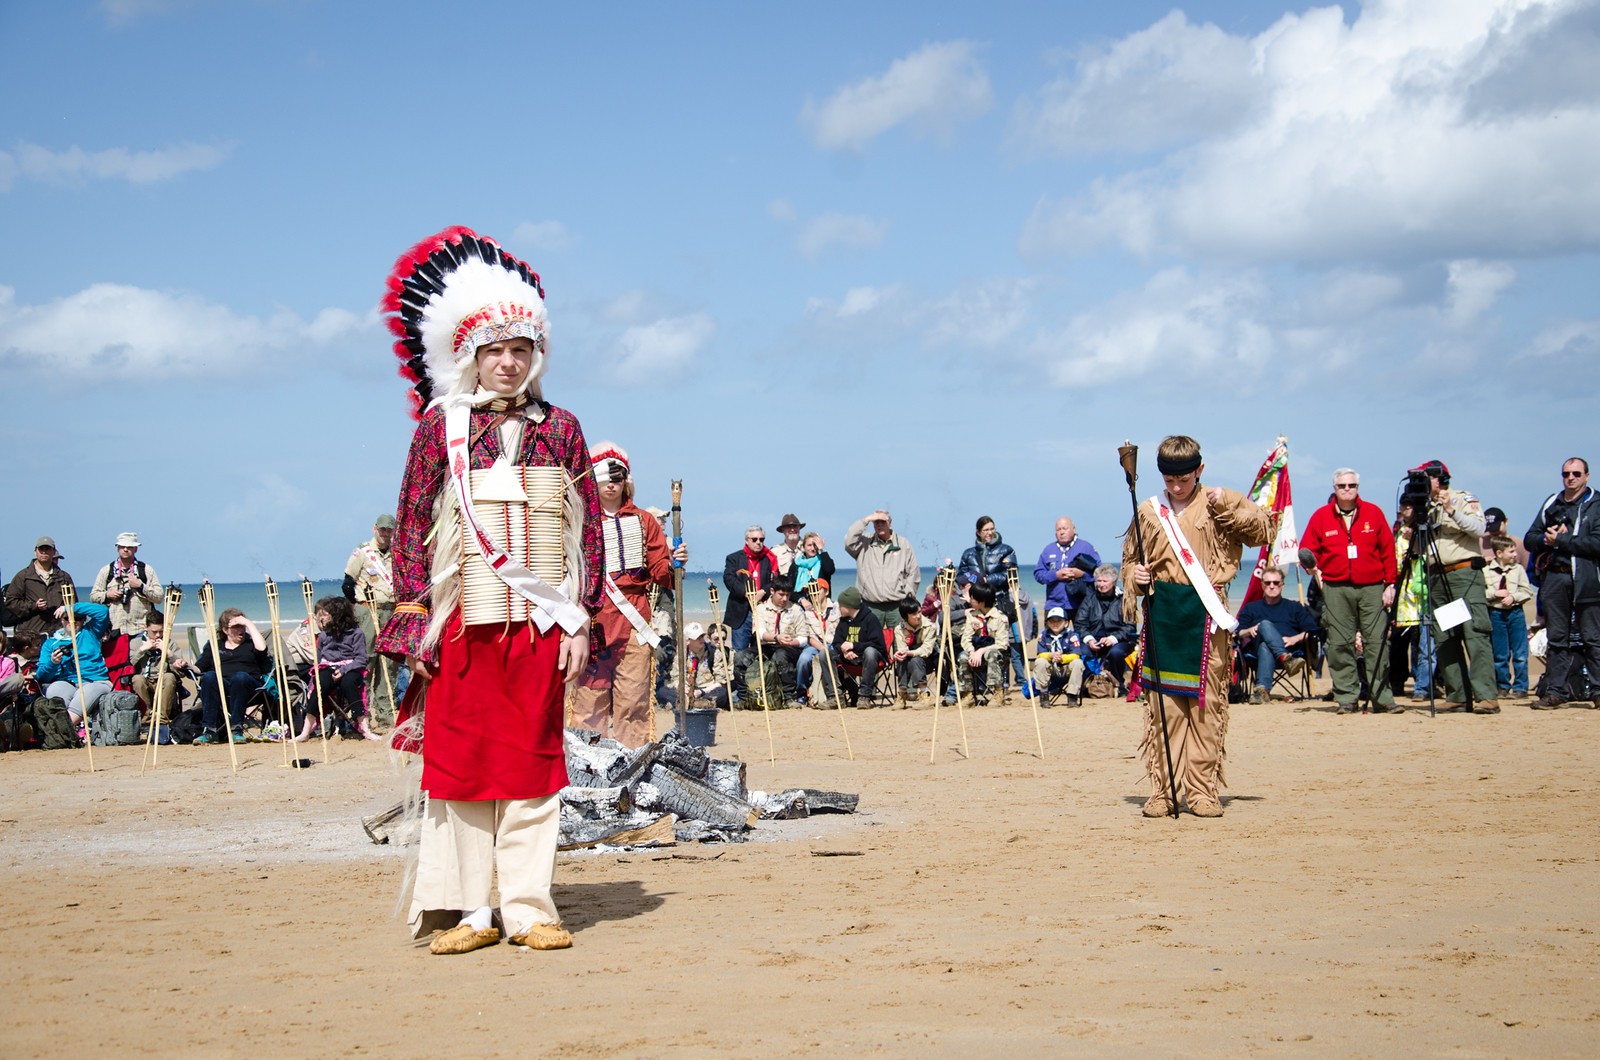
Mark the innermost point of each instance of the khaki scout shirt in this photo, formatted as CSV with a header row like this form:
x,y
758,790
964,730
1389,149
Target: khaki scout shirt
x,y
791,622
1456,535
379,574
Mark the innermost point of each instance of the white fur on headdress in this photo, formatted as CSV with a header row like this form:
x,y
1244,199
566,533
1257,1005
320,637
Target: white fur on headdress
x,y
481,303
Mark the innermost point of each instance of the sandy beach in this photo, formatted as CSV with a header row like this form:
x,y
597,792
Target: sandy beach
x,y
1380,885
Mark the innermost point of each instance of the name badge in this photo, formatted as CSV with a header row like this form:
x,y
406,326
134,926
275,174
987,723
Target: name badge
x,y
1350,552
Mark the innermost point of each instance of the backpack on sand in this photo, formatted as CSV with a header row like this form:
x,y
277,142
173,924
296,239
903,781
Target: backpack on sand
x,y
114,720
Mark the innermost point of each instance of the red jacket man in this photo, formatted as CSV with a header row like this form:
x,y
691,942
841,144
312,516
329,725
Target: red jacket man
x,y
1355,560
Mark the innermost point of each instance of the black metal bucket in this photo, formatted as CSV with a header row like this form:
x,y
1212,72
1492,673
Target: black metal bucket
x,y
700,726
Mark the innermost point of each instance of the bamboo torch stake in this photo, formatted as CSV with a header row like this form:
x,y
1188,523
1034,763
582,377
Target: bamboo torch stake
x,y
761,665
152,747
654,594
1031,694
208,614
383,664
281,668
723,656
948,574
69,600
309,593
819,596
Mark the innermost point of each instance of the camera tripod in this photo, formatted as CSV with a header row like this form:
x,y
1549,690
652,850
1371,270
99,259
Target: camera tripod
x,y
1424,550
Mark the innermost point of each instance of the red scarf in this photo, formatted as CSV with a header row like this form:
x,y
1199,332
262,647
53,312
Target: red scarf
x,y
753,562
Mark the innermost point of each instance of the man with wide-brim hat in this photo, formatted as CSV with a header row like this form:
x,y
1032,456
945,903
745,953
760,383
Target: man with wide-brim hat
x,y
128,586
787,549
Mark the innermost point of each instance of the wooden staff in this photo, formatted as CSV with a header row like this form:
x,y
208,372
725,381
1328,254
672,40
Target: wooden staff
x,y
677,604
654,595
819,596
381,663
152,747
309,593
1128,457
208,614
945,582
69,600
724,653
281,668
761,665
1031,694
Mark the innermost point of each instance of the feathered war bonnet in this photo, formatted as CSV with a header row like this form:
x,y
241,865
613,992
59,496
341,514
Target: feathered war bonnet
x,y
450,294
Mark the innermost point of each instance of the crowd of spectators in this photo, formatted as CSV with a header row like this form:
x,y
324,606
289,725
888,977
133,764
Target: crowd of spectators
x,y
1375,593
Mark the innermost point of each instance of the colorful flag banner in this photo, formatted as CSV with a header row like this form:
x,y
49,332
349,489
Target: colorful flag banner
x,y
1271,491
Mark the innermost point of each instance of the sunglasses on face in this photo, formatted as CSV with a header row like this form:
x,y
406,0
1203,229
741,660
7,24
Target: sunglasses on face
x,y
1572,474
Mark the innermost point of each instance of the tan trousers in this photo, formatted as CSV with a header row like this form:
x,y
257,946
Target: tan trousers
x,y
1044,670
145,689
613,696
464,845
1198,737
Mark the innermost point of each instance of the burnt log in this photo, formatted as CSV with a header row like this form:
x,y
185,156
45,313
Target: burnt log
x,y
698,801
830,801
657,833
728,778
597,803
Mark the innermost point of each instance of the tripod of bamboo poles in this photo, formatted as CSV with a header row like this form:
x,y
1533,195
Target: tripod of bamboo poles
x,y
751,591
722,660
944,582
309,594
152,746
381,662
281,669
1031,694
654,594
69,600
819,598
208,615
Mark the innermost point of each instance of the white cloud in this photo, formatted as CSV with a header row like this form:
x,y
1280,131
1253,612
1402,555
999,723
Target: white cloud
x,y
544,235
934,89
1567,337
1474,286
844,231
1406,134
113,331
982,315
1171,83
75,165
663,347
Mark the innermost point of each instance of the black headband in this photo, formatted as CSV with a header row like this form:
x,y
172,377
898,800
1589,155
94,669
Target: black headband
x,y
1177,467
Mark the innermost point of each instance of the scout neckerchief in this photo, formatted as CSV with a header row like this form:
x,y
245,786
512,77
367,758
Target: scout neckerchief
x,y
551,605
1191,564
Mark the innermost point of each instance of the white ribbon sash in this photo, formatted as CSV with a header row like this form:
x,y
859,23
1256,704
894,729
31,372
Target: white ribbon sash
x,y
552,605
375,566
1191,566
641,628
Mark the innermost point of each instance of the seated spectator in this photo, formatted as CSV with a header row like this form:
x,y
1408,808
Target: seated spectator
x,y
12,679
34,595
146,655
245,663
858,641
985,640
1106,634
1508,589
341,673
59,671
987,561
1275,625
812,564
782,628
709,689
915,640
128,587
13,688
1063,569
820,626
1060,658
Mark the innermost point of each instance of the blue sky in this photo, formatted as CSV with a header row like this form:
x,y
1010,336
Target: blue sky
x,y
818,258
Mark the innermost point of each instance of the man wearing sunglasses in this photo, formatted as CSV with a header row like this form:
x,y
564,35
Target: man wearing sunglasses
x,y
1354,546
1563,544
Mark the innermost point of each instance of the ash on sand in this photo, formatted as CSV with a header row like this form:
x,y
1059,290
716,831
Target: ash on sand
x,y
667,791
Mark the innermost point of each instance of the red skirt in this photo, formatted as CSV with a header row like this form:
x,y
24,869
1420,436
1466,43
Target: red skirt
x,y
494,716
